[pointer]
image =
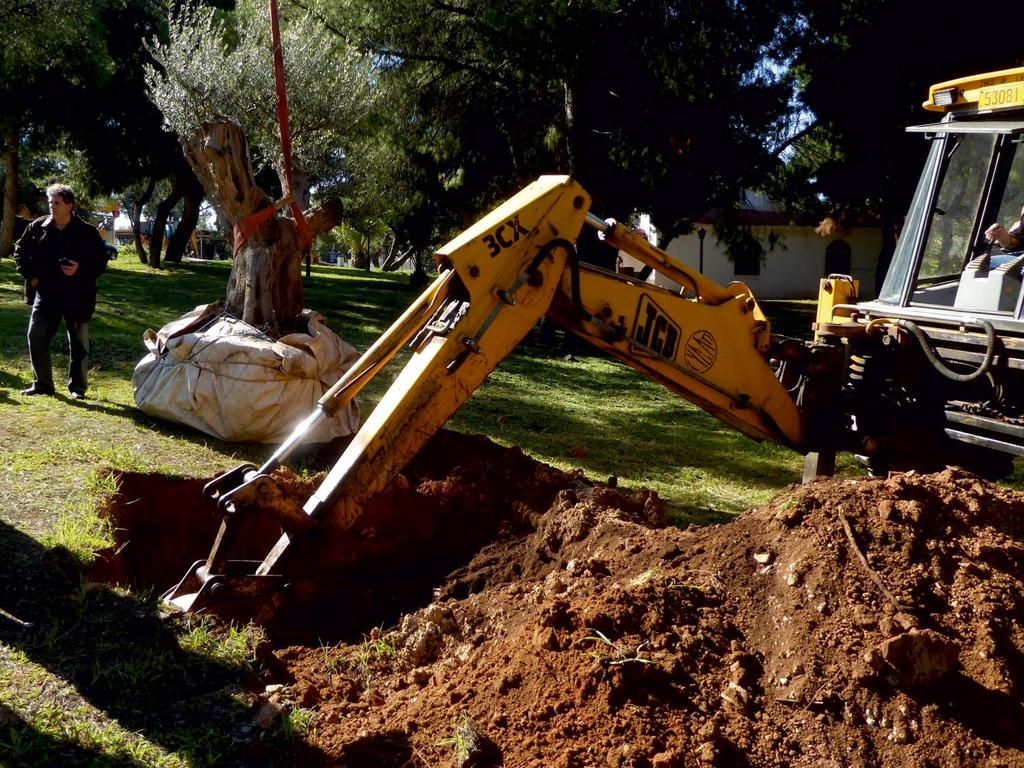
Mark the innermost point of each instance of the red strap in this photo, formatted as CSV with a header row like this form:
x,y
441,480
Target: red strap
x,y
251,223
248,225
282,121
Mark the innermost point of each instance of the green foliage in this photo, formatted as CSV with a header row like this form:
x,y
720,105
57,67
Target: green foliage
x,y
75,69
234,646
127,252
381,647
296,722
74,106
221,64
463,738
50,42
377,652
633,99
613,654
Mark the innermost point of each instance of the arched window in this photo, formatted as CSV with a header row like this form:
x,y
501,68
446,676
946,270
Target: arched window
x,y
746,258
837,258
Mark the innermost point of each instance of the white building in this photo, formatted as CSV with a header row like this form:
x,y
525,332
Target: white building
x,y
792,268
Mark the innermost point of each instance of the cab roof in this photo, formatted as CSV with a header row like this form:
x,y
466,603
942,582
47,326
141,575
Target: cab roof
x,y
980,94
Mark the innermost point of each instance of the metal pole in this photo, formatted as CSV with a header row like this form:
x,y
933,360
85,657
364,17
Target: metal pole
x,y
701,234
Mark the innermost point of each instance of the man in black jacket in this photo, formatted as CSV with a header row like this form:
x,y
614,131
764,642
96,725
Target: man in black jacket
x,y
60,256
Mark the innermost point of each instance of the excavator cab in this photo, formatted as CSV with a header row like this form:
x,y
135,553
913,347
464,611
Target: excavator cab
x,y
974,178
936,377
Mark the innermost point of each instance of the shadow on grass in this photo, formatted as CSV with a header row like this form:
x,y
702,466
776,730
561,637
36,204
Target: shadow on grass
x,y
255,452
674,429
9,380
791,317
9,384
23,745
125,660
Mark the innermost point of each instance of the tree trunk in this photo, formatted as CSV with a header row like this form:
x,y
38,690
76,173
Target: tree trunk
x,y
387,252
135,215
300,193
177,243
570,107
156,236
191,191
300,184
265,286
10,150
224,227
419,276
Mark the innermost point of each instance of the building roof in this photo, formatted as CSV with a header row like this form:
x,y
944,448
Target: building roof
x,y
760,218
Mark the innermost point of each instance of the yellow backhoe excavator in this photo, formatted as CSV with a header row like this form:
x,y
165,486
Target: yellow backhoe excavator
x,y
927,373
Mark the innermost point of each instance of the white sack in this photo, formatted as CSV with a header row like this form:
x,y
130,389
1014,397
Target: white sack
x,y
215,373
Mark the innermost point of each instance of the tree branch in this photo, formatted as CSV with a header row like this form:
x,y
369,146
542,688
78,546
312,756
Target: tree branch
x,y
790,141
450,63
325,216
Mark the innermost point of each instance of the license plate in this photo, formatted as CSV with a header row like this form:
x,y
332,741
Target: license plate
x,y
1001,96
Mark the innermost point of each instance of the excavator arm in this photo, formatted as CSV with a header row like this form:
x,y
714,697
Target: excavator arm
x,y
709,344
711,349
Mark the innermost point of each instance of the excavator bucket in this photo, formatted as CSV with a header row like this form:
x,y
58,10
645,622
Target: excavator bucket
x,y
234,593
231,587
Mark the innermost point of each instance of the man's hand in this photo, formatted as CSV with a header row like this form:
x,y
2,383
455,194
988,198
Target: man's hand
x,y
997,233
34,282
69,268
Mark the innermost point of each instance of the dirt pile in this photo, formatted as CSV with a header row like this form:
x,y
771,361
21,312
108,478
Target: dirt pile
x,y
850,622
868,622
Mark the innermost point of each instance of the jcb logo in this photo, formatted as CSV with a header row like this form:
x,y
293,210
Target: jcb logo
x,y
505,235
655,330
700,351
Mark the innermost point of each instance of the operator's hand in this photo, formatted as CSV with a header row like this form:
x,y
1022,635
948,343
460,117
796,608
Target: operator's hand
x,y
69,269
997,233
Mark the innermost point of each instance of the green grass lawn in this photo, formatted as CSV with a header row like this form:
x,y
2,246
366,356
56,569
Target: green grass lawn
x,y
97,680
592,414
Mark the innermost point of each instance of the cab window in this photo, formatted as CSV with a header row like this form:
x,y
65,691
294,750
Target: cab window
x,y
981,181
957,204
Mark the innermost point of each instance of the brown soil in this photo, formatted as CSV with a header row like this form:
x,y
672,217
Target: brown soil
x,y
495,611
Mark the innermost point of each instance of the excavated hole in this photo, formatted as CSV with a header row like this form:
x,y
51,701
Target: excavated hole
x,y
460,493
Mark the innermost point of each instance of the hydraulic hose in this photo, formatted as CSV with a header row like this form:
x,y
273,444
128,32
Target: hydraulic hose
x,y
937,363
572,261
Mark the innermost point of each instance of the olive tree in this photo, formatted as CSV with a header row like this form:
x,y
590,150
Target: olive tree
x,y
214,83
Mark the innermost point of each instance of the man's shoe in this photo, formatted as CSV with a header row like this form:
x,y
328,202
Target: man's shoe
x,y
34,390
76,395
